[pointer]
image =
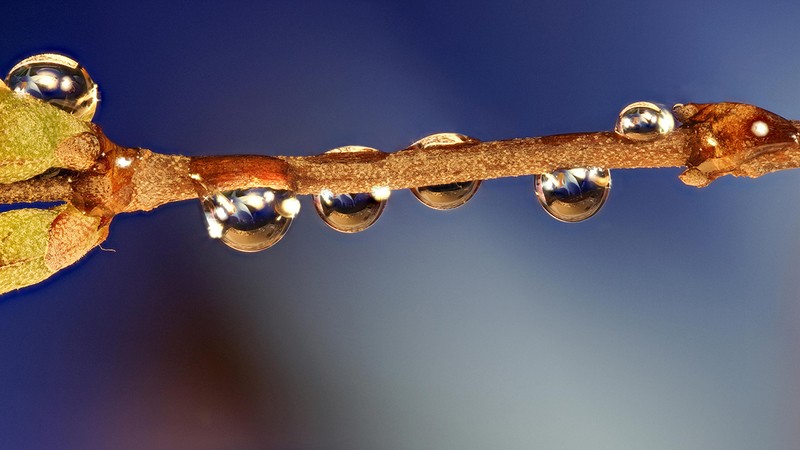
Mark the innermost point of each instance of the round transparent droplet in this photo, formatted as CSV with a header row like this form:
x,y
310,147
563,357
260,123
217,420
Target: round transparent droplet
x,y
249,220
451,195
348,213
573,195
644,121
58,80
351,212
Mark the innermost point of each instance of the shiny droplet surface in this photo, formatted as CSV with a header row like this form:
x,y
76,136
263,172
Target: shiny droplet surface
x,y
58,80
644,121
249,220
573,195
351,212
348,213
445,196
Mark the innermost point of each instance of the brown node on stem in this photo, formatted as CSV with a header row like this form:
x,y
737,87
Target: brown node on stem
x,y
735,139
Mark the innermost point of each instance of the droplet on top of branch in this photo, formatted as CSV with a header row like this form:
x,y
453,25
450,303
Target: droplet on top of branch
x,y
58,80
644,121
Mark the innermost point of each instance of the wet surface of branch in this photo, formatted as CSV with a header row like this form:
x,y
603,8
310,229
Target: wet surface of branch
x,y
98,179
158,179
715,140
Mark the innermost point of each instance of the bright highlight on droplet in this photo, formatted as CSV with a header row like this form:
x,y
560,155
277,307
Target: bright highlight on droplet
x,y
215,227
67,84
644,121
289,207
445,196
573,195
46,80
248,220
351,212
760,128
381,193
58,80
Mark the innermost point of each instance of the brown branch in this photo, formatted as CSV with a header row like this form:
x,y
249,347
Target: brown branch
x,y
413,167
158,179
51,189
714,140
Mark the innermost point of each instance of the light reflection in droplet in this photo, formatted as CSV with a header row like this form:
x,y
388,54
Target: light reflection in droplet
x,y
573,195
644,121
58,80
445,196
351,212
248,220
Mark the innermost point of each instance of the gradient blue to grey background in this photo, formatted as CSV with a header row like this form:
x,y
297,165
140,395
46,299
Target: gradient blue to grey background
x,y
668,321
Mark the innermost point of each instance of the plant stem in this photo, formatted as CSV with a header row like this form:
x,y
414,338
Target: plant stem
x,y
159,179
713,141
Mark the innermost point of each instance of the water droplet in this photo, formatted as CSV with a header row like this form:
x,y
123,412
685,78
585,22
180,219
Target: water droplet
x,y
573,195
644,121
451,195
351,213
249,220
58,80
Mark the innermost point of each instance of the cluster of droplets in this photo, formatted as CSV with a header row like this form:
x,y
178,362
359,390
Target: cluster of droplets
x,y
58,80
255,219
576,194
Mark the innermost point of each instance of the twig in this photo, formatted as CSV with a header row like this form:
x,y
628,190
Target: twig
x,y
100,179
715,139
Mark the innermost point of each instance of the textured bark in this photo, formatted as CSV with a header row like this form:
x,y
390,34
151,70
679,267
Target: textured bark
x,y
714,140
414,167
97,179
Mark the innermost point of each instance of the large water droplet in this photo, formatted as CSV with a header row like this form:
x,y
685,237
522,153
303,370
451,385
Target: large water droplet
x,y
644,121
451,195
351,212
249,220
58,80
573,195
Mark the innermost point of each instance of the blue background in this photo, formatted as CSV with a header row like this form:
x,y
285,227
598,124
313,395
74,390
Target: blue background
x,y
670,320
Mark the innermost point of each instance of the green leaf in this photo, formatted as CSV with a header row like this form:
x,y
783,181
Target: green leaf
x,y
30,134
36,243
24,234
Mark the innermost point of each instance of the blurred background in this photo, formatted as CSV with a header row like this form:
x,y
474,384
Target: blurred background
x,y
670,320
